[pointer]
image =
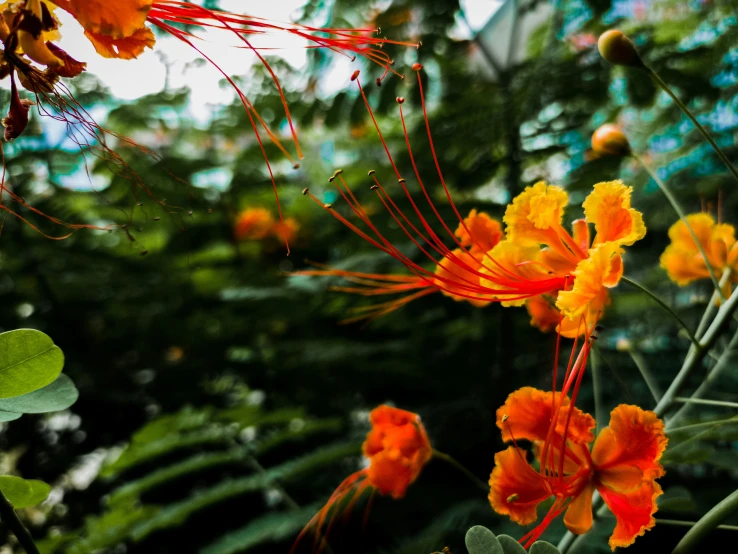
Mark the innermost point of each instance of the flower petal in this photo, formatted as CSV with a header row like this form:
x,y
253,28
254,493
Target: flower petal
x,y
635,438
116,20
126,48
479,232
515,488
608,207
543,312
527,414
534,212
578,517
633,511
602,269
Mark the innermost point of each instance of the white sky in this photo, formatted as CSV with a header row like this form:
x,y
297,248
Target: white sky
x,y
130,79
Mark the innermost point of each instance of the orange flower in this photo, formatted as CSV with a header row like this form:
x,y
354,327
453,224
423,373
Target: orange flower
x,y
622,465
397,448
682,259
253,224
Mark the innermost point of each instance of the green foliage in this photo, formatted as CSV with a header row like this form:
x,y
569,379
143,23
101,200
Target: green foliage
x,y
59,395
480,540
29,360
23,493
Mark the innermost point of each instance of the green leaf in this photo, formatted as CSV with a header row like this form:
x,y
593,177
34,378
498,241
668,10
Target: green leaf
x,y
543,547
480,540
269,528
510,545
59,395
9,416
23,493
29,360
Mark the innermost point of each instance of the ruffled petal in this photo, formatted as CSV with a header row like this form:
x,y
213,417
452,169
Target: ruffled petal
x,y
633,511
635,438
578,517
571,328
126,48
534,212
608,207
515,488
114,19
479,232
527,414
602,269
543,312
391,476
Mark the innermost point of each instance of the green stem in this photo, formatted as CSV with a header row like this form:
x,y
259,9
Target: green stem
x,y
682,106
452,461
707,523
680,523
693,426
597,389
570,542
721,364
678,209
8,515
274,484
645,372
664,305
706,402
697,353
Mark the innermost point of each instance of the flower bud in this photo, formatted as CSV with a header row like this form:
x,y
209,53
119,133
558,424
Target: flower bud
x,y
609,140
618,49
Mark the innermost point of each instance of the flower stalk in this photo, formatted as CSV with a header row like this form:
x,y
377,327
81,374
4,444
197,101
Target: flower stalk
x,y
11,519
707,523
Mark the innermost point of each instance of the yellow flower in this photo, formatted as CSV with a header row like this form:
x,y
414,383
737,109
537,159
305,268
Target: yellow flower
x,y
608,207
682,259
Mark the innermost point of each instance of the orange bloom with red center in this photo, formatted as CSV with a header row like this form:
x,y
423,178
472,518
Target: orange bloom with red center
x,y
397,448
683,260
622,465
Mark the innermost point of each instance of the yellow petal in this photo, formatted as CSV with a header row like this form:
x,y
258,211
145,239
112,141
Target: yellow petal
x,y
608,207
602,269
532,214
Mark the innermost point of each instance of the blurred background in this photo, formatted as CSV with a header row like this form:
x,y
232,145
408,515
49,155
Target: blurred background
x,y
221,399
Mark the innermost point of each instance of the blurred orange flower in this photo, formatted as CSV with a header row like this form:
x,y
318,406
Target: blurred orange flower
x,y
622,465
259,224
683,261
397,448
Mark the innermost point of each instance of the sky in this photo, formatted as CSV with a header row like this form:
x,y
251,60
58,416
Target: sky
x,y
130,79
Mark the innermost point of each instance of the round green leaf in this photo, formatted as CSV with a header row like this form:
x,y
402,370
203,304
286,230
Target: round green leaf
x,y
29,360
9,416
543,547
59,395
23,493
480,540
510,545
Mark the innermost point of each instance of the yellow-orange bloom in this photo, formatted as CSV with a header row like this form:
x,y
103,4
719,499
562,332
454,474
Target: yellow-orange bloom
x,y
260,224
622,465
682,259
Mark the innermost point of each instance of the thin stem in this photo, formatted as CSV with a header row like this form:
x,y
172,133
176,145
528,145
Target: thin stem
x,y
680,523
721,364
706,402
682,106
452,461
645,372
664,305
707,523
597,389
8,515
274,484
693,426
680,212
697,353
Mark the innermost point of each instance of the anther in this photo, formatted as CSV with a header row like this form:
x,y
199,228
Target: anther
x,y
512,498
353,58
371,172
305,191
379,30
336,173
327,206
157,218
379,82
373,187
400,180
355,75
400,100
417,67
504,418
420,43
392,62
296,166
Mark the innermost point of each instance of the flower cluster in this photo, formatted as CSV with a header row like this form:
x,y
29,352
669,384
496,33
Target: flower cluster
x,y
259,224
